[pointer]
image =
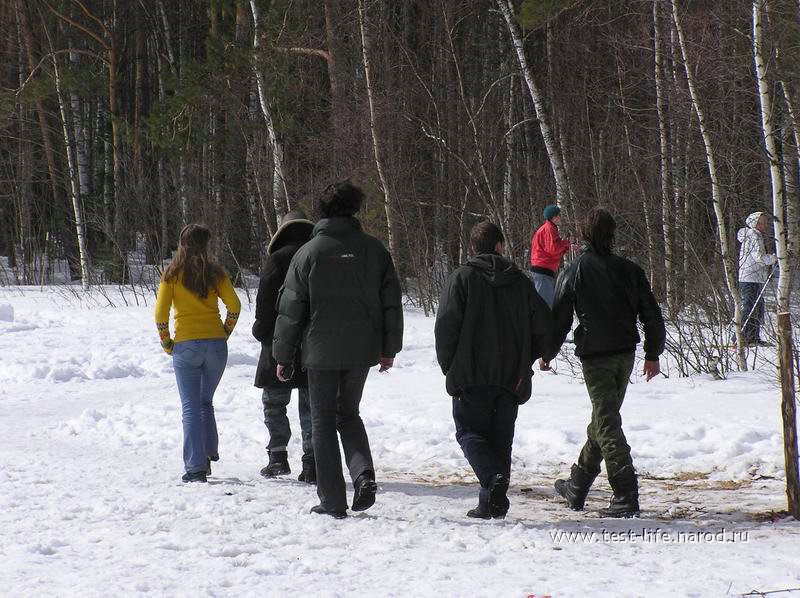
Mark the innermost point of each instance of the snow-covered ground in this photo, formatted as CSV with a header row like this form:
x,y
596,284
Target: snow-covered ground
x,y
91,501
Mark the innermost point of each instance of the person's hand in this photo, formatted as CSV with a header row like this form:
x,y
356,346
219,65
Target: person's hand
x,y
386,364
284,372
168,345
651,369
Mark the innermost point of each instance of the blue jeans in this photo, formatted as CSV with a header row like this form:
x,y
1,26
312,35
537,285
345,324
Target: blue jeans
x,y
275,400
546,287
199,365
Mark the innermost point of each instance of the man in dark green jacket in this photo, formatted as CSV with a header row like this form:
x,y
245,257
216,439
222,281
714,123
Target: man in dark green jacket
x,y
608,293
342,302
490,328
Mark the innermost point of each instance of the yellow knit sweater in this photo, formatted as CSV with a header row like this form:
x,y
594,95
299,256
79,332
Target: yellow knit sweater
x,y
195,317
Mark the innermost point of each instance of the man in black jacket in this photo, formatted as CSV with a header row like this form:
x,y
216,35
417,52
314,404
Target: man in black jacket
x,y
342,302
294,231
490,328
608,293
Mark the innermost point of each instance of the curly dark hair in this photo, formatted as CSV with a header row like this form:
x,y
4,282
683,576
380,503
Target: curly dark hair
x,y
484,237
598,229
340,199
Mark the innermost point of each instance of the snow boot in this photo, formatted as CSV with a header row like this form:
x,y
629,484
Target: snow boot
x,y
195,476
208,466
278,465
575,489
309,473
320,510
482,510
625,502
498,501
365,489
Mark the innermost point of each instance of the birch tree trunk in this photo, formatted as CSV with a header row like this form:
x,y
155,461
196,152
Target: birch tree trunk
x,y
666,200
387,197
716,193
280,190
768,130
81,148
508,175
563,191
73,182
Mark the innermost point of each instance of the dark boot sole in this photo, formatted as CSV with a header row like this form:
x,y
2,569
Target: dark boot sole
x,y
318,510
618,514
562,491
194,478
476,514
275,473
365,496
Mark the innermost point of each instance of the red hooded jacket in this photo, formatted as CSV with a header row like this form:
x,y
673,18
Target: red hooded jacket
x,y
547,247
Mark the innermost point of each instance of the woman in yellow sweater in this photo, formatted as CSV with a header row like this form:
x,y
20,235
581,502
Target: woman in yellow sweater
x,y
192,285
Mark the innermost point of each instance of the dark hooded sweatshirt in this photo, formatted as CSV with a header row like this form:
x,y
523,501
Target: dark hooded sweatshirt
x,y
490,328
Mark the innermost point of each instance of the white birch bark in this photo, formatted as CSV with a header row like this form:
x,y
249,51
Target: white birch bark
x,y
768,130
387,197
563,191
728,260
280,190
73,183
666,200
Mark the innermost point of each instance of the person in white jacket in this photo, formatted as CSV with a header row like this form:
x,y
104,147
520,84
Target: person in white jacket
x,y
754,268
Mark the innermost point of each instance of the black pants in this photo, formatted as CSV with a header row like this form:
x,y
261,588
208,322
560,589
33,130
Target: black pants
x,y
335,396
752,306
485,417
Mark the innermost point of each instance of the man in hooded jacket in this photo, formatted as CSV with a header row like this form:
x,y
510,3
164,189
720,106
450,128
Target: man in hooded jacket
x,y
490,327
294,231
342,302
754,264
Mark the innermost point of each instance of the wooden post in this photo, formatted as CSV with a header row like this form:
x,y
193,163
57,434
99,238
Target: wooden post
x,y
789,413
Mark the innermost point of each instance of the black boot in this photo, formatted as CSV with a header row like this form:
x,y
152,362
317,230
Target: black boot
x,y
625,502
309,473
482,510
278,465
498,501
196,476
320,510
576,487
364,491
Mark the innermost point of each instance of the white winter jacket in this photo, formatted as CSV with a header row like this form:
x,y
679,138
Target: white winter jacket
x,y
754,261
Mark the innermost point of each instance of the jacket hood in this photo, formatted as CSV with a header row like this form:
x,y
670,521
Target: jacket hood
x,y
294,228
750,222
497,270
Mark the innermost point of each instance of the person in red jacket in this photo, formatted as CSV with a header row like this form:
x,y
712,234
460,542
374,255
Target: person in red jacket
x,y
547,250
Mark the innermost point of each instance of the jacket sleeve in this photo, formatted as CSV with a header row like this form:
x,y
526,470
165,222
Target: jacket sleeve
x,y
541,324
232,303
392,306
293,310
163,306
266,301
563,309
553,242
651,318
449,320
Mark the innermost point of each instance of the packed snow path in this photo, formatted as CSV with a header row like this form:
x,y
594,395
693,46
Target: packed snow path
x,y
91,501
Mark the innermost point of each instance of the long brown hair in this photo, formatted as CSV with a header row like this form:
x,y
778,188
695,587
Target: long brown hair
x,y
192,259
598,230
